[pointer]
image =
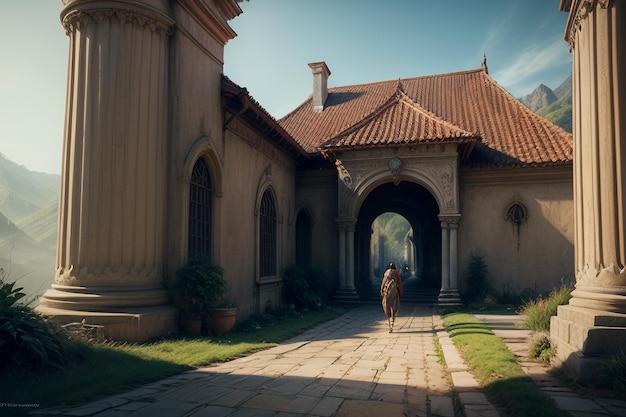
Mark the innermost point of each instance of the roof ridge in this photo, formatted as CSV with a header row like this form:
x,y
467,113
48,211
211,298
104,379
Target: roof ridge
x,y
400,79
436,117
400,97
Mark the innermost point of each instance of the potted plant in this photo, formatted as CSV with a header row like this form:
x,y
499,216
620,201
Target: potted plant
x,y
202,285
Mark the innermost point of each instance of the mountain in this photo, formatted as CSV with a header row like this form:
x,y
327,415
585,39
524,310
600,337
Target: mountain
x,y
26,261
42,225
541,97
23,192
555,105
28,225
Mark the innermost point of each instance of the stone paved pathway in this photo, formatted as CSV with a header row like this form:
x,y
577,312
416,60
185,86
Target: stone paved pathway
x,y
350,366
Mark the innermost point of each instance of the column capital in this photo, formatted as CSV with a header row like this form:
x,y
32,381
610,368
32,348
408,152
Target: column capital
x,y
449,220
346,224
78,13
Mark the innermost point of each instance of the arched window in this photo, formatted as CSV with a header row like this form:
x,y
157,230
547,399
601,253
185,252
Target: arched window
x,y
303,240
267,236
200,195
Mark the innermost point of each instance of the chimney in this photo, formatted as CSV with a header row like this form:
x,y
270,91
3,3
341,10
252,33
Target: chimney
x,y
320,84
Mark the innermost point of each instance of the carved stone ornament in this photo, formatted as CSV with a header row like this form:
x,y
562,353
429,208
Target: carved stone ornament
x,y
395,165
343,173
79,18
577,16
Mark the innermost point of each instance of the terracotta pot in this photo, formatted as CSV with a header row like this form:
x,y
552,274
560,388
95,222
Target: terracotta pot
x,y
221,320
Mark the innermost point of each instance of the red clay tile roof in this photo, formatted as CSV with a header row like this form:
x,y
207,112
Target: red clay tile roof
x,y
239,103
468,103
399,121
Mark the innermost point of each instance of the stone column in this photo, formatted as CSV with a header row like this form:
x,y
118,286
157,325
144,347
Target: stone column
x,y
449,293
593,326
350,255
445,258
112,210
454,280
346,290
342,256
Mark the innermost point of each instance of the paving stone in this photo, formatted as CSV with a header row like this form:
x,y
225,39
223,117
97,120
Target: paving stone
x,y
168,408
614,406
214,411
463,381
291,404
352,408
233,398
326,407
441,406
570,403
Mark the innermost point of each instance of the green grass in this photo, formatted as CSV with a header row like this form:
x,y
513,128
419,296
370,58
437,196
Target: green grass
x,y
496,368
107,369
539,311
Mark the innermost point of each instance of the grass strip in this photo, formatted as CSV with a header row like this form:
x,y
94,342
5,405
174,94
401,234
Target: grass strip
x,y
497,370
112,368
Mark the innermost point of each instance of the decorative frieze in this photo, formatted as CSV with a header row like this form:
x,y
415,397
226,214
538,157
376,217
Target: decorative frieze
x,y
580,12
77,19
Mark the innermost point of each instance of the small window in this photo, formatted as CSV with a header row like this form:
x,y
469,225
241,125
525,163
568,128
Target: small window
x,y
516,214
267,236
200,196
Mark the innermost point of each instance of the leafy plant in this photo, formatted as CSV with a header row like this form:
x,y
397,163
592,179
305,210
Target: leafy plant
x,y
201,283
26,339
478,286
541,349
298,288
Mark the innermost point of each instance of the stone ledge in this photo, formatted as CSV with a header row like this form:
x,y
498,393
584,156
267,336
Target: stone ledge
x,y
134,325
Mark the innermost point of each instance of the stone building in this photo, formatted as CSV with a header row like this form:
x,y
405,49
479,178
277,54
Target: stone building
x,y
164,156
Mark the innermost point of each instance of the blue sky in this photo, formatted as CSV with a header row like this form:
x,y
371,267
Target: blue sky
x,y
361,41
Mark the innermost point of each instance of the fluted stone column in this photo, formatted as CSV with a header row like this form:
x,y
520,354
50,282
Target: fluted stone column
x,y
593,326
449,293
346,290
112,211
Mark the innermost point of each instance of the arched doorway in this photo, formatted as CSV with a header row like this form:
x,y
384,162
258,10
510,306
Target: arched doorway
x,y
420,209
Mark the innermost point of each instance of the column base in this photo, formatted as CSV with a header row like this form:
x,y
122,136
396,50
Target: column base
x,y
131,314
449,298
585,339
138,325
346,295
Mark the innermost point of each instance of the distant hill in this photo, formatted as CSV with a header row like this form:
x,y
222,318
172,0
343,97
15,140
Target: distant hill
x,y
42,225
28,225
555,105
29,262
24,192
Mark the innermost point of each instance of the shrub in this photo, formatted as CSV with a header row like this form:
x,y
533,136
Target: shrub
x,y
478,286
539,311
299,288
541,349
27,340
201,283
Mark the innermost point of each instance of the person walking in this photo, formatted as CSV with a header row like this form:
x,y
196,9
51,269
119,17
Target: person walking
x,y
391,290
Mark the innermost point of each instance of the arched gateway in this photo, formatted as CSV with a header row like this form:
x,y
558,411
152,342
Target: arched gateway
x,y
421,183
422,243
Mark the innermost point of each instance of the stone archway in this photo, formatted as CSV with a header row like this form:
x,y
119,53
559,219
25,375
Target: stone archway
x,y
361,172
419,208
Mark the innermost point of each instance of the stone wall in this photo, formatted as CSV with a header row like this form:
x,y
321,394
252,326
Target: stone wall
x,y
539,253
